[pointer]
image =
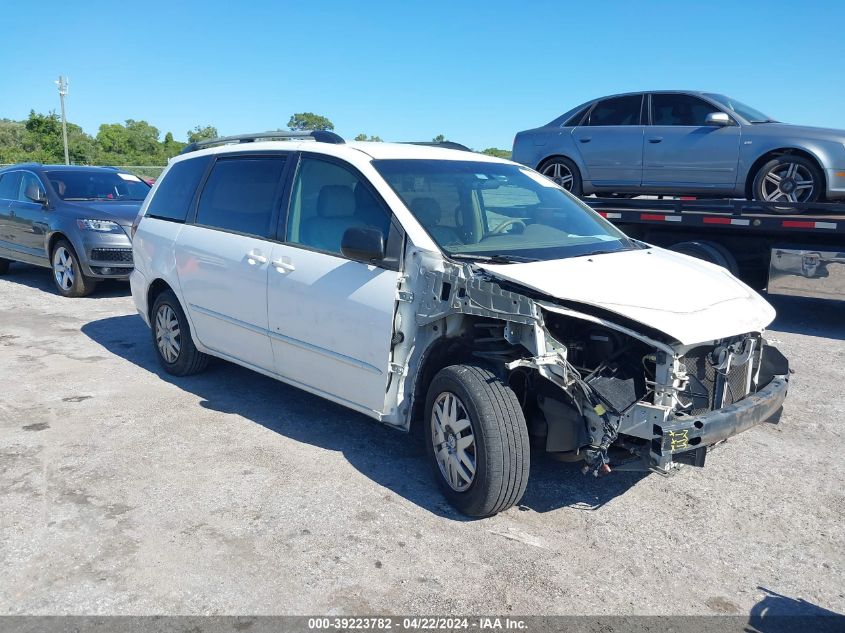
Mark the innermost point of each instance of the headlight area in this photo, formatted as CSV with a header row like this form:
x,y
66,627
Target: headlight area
x,y
615,400
100,226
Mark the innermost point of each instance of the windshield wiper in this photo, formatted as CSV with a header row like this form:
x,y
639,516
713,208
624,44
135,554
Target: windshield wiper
x,y
497,258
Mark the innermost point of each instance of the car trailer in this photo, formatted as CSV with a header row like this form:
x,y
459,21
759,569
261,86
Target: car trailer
x,y
793,249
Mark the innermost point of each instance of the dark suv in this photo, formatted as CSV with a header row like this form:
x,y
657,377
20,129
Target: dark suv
x,y
74,220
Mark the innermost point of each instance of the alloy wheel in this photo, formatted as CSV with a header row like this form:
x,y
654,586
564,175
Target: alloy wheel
x,y
63,268
788,182
560,174
454,441
168,334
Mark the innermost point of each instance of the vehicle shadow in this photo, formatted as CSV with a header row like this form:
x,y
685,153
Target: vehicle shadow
x,y
40,279
777,613
810,317
390,458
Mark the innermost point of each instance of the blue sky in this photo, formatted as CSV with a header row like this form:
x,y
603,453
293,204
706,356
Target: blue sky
x,y
475,71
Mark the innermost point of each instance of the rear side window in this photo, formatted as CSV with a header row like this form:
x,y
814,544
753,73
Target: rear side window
x,y
240,195
9,183
575,119
677,109
616,111
173,197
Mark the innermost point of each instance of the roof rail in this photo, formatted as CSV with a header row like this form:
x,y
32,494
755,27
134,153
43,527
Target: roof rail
x,y
443,144
321,136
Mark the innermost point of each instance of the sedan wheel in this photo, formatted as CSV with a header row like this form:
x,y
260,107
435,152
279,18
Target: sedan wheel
x,y
564,173
454,441
788,178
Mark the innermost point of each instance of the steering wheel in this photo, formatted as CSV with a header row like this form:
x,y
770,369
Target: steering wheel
x,y
506,225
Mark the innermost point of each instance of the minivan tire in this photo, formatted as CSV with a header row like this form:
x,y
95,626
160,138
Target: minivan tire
x,y
474,419
176,351
68,277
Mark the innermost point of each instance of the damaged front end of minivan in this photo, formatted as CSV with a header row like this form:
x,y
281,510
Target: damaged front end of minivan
x,y
595,386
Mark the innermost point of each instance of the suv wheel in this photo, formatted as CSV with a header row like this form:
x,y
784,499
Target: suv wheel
x,y
172,339
564,173
67,273
477,440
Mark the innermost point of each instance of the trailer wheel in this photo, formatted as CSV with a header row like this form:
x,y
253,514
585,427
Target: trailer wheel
x,y
712,252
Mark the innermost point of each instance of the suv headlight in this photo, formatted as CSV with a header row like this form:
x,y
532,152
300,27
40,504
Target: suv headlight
x,y
103,226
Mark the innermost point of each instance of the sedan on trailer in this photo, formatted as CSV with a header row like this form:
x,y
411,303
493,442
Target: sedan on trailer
x,y
686,143
73,220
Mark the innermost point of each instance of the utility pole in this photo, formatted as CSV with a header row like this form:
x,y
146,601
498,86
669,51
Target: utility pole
x,y
62,85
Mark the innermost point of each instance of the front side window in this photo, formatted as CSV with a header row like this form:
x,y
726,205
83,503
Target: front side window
x,y
481,210
9,185
327,199
28,181
678,109
616,111
175,192
241,195
97,185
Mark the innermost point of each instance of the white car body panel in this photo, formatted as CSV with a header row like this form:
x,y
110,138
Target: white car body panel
x,y
331,322
688,299
224,292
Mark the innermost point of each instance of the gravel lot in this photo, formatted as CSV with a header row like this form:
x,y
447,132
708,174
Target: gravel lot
x,y
126,491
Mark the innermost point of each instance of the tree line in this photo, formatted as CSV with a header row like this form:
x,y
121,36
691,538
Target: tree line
x,y
39,139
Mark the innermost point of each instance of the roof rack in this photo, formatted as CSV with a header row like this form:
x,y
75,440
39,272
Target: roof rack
x,y
443,144
321,136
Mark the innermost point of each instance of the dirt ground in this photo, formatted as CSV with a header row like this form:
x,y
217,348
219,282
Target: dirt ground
x,y
126,491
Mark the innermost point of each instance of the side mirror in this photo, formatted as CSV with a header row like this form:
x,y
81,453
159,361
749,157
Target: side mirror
x,y
35,193
717,118
363,244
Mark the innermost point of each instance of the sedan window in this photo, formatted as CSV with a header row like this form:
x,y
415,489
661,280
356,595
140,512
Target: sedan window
x,y
679,109
616,111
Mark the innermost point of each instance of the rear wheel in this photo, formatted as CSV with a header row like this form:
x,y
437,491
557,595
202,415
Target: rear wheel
x,y
477,440
712,252
172,339
563,172
788,178
67,273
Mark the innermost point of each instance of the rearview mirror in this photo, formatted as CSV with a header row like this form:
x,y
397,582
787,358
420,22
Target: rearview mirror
x,y
717,118
363,244
35,193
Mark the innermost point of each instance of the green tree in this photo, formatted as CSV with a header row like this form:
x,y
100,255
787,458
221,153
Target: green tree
x,y
135,143
200,133
498,153
11,141
309,121
364,137
439,138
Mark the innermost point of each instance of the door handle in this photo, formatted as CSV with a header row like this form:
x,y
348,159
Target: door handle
x,y
586,139
255,257
281,264
657,139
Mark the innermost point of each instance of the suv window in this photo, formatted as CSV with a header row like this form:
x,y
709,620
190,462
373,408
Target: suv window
x,y
240,195
28,179
175,193
616,111
678,109
327,199
9,185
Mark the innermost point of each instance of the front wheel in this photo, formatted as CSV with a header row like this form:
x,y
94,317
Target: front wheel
x,y
477,440
788,178
67,273
564,173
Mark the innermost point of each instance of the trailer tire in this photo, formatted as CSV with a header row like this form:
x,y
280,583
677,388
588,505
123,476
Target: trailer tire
x,y
712,252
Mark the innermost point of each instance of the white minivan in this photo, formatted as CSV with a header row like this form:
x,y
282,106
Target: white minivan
x,y
461,294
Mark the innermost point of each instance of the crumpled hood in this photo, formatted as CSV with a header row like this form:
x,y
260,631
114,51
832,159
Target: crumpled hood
x,y
122,212
690,300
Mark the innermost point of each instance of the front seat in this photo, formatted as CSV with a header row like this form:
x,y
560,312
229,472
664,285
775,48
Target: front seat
x,y
428,212
335,214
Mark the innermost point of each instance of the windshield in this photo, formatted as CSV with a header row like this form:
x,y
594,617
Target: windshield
x,y
746,112
498,212
97,185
